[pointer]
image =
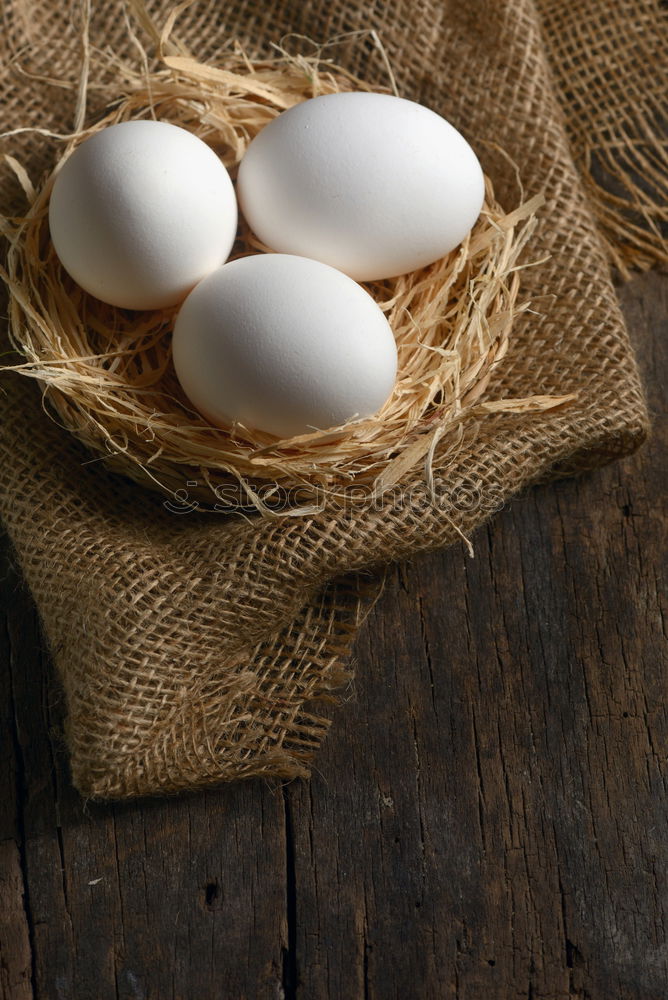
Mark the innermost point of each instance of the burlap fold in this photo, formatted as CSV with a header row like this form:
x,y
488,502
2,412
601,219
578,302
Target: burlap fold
x,y
193,648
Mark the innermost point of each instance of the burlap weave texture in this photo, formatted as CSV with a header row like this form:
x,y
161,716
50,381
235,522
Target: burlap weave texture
x,y
193,648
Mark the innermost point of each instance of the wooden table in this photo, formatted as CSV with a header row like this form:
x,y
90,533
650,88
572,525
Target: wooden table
x,y
488,818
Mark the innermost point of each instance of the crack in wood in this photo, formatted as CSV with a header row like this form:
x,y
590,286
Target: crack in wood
x,y
289,980
20,792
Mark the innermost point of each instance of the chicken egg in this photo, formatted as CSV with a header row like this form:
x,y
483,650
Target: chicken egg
x,y
140,212
283,344
372,184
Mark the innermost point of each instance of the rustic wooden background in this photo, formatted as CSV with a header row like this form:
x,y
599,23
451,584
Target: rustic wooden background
x,y
488,819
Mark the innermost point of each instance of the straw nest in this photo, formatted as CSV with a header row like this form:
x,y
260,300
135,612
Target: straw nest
x,y
106,373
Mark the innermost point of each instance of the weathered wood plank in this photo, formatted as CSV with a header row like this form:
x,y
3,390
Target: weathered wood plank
x,y
156,899
15,946
491,820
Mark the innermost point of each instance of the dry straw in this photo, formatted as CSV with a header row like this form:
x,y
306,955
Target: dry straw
x,y
107,374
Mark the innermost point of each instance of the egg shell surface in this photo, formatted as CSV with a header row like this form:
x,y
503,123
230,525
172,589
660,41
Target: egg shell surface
x,y
140,212
372,184
283,344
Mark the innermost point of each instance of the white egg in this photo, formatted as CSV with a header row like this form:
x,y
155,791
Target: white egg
x,y
372,184
140,212
283,344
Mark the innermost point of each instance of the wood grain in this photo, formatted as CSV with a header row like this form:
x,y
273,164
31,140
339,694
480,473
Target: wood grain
x,y
488,818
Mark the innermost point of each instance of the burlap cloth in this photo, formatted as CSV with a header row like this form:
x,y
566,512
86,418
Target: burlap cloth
x,y
195,648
